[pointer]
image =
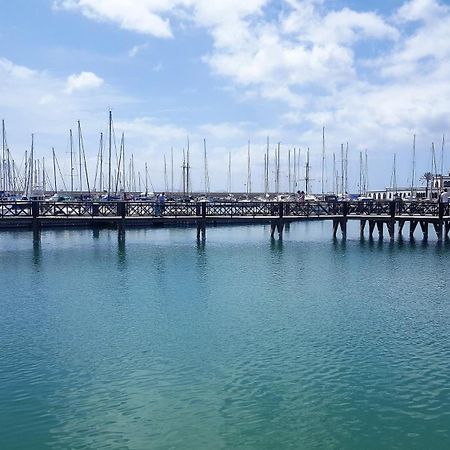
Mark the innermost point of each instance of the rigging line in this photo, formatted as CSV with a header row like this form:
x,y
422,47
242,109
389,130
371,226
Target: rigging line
x,y
119,174
60,173
84,160
97,165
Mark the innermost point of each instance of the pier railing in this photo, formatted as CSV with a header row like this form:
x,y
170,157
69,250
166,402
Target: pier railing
x,y
147,209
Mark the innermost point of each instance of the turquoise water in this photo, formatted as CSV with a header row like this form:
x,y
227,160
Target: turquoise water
x,y
155,341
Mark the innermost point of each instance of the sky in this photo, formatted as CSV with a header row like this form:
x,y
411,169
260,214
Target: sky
x,y
373,73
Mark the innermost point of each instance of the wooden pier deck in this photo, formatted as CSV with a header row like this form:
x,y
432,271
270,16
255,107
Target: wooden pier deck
x,y
376,215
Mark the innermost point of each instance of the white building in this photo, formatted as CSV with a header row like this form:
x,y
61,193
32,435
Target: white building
x,y
438,184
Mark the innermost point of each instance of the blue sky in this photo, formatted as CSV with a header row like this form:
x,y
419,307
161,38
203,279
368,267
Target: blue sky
x,y
373,73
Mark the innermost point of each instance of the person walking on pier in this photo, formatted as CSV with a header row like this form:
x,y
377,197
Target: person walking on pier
x,y
161,203
301,197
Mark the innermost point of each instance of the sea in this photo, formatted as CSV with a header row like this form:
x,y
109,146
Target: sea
x,y
151,339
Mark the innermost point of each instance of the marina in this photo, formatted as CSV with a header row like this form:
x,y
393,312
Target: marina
x,y
224,225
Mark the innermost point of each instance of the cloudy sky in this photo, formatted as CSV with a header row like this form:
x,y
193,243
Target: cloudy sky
x,y
373,73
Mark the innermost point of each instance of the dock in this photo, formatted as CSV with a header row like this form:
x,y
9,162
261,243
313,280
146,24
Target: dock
x,y
376,216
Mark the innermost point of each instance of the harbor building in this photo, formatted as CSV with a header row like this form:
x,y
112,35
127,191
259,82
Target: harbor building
x,y
436,184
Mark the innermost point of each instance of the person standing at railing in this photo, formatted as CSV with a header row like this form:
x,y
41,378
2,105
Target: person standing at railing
x,y
301,197
443,198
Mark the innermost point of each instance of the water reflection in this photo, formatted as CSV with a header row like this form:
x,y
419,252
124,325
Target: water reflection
x,y
339,244
121,248
276,246
37,251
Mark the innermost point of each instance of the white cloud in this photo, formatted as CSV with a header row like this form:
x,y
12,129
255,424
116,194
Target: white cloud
x,y
137,49
142,16
151,17
14,70
83,81
421,10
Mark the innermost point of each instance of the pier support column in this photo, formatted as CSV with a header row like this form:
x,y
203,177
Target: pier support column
x,y
95,210
412,227
447,227
277,225
201,224
391,228
362,226
424,226
371,228
380,229
344,228
35,214
401,224
335,227
438,228
340,223
121,212
201,230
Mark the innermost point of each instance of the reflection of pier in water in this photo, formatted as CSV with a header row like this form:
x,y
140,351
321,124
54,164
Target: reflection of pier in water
x,y
372,215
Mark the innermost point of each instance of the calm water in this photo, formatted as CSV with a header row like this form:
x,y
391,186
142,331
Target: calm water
x,y
157,342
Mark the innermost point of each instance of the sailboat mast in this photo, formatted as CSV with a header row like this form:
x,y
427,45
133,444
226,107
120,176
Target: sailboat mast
x,y
249,170
366,170
266,187
346,169
294,186
133,173
229,172
342,170
360,173
413,177
187,170
183,169
124,180
394,174
109,154
205,166
171,170
79,158
289,171
71,160
101,162
307,173
323,161
442,161
334,174
25,174
146,180
2,163
278,168
30,187
54,169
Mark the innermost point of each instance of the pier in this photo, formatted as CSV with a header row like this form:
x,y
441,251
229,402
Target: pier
x,y
374,217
